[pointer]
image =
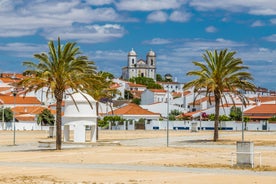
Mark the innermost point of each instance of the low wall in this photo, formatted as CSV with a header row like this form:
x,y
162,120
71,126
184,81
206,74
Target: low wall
x,y
208,125
22,126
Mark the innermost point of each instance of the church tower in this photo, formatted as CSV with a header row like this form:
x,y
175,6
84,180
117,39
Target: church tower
x,y
151,62
140,68
132,58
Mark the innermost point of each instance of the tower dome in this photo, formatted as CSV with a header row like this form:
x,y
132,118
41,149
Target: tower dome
x,y
132,53
151,53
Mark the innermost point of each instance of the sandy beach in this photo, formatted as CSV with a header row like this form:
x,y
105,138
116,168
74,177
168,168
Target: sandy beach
x,y
136,157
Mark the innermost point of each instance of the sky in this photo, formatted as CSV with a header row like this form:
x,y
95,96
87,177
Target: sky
x,y
178,31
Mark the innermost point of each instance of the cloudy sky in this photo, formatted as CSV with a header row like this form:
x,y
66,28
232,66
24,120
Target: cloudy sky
x,y
179,31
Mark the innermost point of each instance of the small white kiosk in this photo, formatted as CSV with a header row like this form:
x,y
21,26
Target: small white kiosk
x,y
81,119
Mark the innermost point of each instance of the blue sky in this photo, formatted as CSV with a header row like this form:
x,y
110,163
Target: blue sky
x,y
179,31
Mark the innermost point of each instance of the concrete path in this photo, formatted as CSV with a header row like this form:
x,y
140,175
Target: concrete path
x,y
129,167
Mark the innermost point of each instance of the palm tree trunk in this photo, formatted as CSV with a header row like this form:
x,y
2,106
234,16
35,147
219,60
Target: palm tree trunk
x,y
217,104
59,97
97,128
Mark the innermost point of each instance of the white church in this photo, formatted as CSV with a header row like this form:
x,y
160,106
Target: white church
x,y
140,68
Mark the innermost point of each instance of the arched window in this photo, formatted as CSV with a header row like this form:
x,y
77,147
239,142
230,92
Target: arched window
x,y
132,61
151,62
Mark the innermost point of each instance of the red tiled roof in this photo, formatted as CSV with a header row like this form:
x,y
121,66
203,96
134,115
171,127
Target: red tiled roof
x,y
132,109
25,118
19,100
114,85
189,114
10,75
7,80
158,90
262,109
135,85
179,94
264,98
28,109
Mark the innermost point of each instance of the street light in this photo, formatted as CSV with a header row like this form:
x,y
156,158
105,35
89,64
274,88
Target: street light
x,y
3,117
14,92
168,105
242,121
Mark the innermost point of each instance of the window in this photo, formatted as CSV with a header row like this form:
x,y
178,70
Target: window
x,y
132,61
151,61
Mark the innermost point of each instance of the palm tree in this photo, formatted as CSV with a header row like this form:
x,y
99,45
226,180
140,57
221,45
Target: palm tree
x,y
62,68
102,92
220,72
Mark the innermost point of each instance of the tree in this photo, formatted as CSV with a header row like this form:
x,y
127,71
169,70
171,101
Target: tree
x,y
220,72
106,75
46,118
110,120
149,82
235,113
64,67
173,114
136,101
8,115
101,93
246,119
128,95
159,78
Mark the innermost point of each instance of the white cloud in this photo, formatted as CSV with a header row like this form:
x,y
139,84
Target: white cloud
x,y
273,21
148,5
157,16
88,33
30,17
178,16
271,38
219,43
256,7
22,49
211,29
257,23
99,2
157,41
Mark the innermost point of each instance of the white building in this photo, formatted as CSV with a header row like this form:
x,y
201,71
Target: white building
x,y
140,68
150,96
78,116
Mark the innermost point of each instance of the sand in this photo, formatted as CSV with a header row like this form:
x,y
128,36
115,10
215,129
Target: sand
x,y
133,157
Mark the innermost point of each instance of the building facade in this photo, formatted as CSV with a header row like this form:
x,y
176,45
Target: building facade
x,y
140,68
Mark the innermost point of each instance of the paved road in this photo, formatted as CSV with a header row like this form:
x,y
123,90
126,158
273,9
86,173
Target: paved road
x,y
129,167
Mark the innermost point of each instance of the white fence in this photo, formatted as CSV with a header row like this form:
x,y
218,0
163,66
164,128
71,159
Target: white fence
x,y
22,126
209,125
160,125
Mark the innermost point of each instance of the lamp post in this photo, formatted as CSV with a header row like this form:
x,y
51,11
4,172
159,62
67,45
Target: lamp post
x,y
14,92
242,122
168,105
3,117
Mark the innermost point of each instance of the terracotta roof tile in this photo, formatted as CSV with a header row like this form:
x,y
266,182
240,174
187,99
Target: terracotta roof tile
x,y
264,98
132,109
158,90
7,80
25,118
135,85
19,100
28,109
262,109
